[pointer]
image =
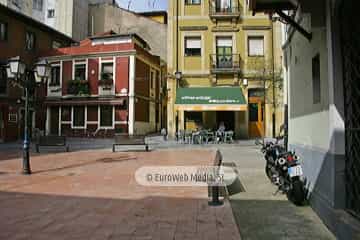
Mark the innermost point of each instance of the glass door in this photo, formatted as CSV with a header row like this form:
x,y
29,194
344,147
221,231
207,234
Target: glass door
x,y
223,5
224,51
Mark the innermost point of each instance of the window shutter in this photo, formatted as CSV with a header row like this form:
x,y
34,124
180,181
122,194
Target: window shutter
x,y
193,43
224,42
256,46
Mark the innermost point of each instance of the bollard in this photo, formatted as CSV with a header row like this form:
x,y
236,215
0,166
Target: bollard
x,y
215,189
215,197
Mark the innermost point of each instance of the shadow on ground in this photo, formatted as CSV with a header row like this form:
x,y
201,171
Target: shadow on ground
x,y
276,220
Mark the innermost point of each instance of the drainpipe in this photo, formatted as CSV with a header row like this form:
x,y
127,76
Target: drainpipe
x,y
177,60
273,80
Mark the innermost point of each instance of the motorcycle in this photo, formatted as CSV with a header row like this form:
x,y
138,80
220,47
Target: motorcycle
x,y
284,170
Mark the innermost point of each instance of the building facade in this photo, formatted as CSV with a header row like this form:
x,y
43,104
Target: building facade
x,y
107,17
321,55
21,36
67,16
226,62
108,84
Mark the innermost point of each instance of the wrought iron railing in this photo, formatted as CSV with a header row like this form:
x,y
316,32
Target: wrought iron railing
x,y
225,62
216,9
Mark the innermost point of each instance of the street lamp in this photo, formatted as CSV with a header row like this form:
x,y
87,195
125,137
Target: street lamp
x,y
17,72
178,76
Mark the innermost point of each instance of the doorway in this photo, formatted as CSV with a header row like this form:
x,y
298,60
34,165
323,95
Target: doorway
x,y
54,121
256,117
228,118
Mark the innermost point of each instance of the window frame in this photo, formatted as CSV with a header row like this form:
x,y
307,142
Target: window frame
x,y
80,62
192,54
73,117
112,118
316,79
249,38
191,3
38,5
6,32
60,75
50,11
29,33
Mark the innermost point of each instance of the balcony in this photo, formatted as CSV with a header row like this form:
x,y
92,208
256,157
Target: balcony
x,y
220,10
225,63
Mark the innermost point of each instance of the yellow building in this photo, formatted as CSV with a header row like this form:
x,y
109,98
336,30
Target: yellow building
x,y
220,63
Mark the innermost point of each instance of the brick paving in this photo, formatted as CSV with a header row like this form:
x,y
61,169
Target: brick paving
x,y
94,195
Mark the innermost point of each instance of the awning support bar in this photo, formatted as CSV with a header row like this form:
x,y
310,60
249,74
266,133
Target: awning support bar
x,y
291,21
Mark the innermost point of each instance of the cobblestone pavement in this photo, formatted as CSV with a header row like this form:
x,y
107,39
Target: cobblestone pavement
x,y
93,195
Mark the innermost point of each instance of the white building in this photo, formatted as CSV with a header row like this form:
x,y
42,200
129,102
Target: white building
x,y
321,56
67,16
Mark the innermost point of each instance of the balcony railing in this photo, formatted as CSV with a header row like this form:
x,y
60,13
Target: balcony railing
x,y
225,63
223,11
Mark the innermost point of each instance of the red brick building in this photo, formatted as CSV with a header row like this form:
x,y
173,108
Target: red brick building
x,y
108,84
22,36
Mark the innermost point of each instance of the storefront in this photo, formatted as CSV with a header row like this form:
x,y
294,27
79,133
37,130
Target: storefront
x,y
208,107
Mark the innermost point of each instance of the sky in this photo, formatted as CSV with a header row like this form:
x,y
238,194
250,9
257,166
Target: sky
x,y
144,5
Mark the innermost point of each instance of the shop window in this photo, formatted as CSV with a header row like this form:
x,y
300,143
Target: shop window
x,y
78,117
65,114
106,116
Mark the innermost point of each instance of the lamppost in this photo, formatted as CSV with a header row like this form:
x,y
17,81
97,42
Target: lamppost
x,y
21,77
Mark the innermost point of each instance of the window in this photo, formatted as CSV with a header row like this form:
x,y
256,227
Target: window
x,y
80,71
193,46
192,2
79,117
316,79
3,31
106,116
107,71
253,112
55,76
223,5
3,80
38,5
30,41
56,44
51,13
152,80
66,114
256,46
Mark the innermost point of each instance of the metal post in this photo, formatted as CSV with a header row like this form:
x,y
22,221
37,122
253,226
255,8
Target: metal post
x,y
273,82
26,155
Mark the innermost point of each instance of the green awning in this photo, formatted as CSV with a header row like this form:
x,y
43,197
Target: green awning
x,y
210,95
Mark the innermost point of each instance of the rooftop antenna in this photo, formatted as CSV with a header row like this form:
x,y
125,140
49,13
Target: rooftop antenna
x,y
129,3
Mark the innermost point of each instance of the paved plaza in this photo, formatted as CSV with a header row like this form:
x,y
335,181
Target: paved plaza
x,y
93,195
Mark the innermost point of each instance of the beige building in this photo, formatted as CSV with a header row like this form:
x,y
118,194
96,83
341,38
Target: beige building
x,y
226,61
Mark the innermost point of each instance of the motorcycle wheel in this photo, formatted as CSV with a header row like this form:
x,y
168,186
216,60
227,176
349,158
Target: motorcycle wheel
x,y
297,193
268,172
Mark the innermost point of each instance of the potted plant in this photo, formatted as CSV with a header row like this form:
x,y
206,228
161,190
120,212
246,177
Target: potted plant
x,y
106,79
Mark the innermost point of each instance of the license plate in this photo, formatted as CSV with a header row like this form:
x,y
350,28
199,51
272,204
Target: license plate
x,y
295,171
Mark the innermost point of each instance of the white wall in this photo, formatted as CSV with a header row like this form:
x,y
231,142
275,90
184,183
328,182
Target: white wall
x,y
308,122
